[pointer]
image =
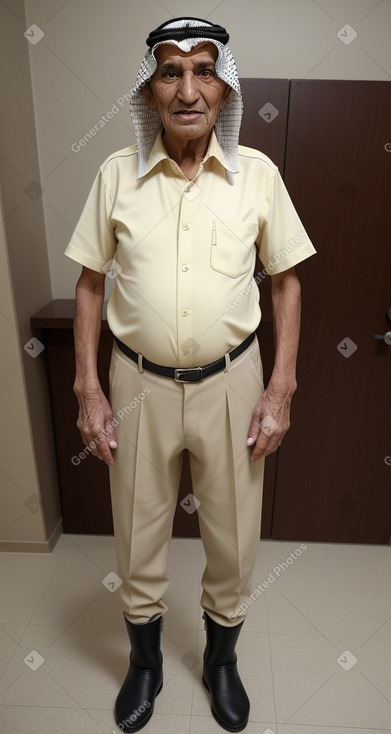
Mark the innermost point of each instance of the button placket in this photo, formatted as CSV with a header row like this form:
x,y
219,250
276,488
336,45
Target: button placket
x,y
185,281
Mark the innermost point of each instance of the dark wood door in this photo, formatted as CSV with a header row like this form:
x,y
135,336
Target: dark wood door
x,y
334,475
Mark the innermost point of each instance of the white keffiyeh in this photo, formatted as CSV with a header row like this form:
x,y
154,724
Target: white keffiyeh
x,y
147,123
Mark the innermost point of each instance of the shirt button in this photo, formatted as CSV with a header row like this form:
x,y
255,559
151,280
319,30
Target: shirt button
x,y
185,312
185,226
185,268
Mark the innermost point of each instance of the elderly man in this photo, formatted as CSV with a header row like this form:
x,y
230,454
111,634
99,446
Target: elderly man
x,y
184,213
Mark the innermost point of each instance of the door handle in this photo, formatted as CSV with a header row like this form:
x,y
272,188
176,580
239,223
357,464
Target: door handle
x,y
387,336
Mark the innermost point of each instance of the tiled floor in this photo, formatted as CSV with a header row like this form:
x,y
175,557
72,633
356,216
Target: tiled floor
x,y
314,653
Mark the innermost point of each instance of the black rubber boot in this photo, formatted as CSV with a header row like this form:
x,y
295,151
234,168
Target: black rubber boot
x,y
229,701
144,680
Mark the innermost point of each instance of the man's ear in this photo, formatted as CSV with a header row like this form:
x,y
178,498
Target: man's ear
x,y
148,96
225,97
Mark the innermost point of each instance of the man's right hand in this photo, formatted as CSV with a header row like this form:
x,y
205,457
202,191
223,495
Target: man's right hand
x,y
95,423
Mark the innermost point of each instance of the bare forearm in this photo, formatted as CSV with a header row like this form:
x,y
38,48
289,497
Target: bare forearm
x,y
95,421
286,300
88,316
270,419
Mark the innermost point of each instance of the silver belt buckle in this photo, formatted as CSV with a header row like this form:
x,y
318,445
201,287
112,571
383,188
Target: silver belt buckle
x,y
185,370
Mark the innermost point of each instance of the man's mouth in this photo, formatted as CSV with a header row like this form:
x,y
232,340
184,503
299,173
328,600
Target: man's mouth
x,y
188,114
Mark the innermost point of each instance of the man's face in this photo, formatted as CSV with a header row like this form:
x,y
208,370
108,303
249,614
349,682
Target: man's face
x,y
186,90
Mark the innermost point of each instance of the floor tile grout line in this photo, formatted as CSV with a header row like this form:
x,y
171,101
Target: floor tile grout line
x,y
71,623
308,620
19,644
273,682
71,537
11,683
79,706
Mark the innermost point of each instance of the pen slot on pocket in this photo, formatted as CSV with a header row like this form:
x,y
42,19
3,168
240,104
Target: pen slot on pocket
x,y
232,250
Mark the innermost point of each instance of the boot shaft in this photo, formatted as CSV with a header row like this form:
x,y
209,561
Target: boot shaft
x,y
220,642
145,643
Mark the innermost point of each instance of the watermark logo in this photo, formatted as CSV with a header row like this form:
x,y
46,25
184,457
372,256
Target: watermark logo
x,y
34,660
347,660
132,718
34,34
32,503
190,503
277,258
34,347
268,425
190,660
112,269
347,347
101,123
268,112
120,414
33,190
190,347
112,581
272,577
347,34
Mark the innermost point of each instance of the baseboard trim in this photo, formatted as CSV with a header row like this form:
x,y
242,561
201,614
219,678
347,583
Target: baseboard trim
x,y
31,546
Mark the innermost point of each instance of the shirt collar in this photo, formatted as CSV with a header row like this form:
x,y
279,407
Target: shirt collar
x,y
159,153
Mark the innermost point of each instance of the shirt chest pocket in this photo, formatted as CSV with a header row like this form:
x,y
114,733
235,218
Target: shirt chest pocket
x,y
232,250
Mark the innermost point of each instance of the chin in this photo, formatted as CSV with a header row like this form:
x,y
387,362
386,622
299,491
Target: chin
x,y
190,131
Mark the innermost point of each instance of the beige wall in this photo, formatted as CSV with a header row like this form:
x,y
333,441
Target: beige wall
x,y
30,517
51,94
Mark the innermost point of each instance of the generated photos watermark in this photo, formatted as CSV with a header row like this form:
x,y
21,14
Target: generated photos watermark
x,y
132,718
272,577
277,258
120,414
101,123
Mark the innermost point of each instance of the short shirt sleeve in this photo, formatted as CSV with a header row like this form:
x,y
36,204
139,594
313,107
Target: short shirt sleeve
x,y
283,241
93,242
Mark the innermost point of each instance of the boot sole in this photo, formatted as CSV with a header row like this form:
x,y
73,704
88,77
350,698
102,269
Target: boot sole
x,y
220,721
145,722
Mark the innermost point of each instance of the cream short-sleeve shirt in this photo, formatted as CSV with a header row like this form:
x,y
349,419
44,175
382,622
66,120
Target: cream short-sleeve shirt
x,y
183,252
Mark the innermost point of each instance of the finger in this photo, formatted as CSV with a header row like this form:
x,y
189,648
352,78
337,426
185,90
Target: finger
x,y
105,453
260,449
102,447
265,448
98,446
111,435
253,431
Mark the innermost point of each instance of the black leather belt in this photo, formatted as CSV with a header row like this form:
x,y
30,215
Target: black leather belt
x,y
185,374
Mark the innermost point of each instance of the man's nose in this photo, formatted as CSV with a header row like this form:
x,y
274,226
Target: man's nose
x,y
188,88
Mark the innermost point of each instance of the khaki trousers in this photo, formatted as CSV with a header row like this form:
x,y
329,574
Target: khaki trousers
x,y
156,418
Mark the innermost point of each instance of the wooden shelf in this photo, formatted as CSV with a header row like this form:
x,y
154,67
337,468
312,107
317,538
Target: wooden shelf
x,y
59,314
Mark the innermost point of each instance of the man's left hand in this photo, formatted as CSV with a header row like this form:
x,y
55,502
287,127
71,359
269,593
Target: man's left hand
x,y
270,421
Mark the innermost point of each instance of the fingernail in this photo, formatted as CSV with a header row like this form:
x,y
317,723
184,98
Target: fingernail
x,y
250,441
113,444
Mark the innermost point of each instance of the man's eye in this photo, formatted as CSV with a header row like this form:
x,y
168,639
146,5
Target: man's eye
x,y
169,75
